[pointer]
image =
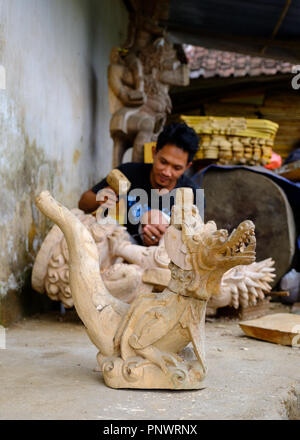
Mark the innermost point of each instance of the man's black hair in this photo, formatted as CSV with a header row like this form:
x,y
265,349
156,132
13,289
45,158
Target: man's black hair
x,y
181,135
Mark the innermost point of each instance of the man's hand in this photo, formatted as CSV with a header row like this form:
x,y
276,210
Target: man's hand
x,y
153,233
107,198
90,201
154,225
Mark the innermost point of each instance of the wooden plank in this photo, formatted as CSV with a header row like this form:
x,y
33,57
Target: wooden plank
x,y
282,98
219,109
290,171
290,122
288,133
286,126
280,293
285,143
277,112
284,149
268,106
279,328
288,99
246,98
251,312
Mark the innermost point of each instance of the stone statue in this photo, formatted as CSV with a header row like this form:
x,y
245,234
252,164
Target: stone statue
x,y
139,77
139,344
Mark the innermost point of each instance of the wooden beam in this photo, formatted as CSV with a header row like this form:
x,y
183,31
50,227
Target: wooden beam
x,y
208,90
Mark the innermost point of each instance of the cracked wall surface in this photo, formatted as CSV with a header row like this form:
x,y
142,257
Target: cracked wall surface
x,y
54,122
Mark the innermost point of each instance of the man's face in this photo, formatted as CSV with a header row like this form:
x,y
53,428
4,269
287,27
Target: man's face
x,y
169,164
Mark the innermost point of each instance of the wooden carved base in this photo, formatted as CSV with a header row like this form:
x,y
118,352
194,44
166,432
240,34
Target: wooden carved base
x,y
140,344
136,372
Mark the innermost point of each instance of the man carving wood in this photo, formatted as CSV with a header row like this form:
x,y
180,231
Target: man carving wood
x,y
148,202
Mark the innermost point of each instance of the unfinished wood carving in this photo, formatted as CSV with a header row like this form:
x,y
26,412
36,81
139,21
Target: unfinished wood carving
x,y
139,345
279,328
128,270
234,140
51,268
244,286
139,77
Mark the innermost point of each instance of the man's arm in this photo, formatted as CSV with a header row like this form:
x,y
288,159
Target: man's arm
x,y
90,201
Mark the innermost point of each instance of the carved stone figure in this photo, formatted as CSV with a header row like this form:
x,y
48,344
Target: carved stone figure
x,y
139,77
139,345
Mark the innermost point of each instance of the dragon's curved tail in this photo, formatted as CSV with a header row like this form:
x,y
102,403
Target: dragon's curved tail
x,y
100,312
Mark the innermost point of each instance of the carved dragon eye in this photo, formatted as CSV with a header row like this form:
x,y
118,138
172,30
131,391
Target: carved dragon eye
x,y
197,238
220,236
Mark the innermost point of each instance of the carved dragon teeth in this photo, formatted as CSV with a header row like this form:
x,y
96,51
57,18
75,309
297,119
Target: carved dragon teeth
x,y
243,244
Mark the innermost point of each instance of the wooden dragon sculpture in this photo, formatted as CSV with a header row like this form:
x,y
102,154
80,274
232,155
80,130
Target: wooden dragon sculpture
x,y
139,344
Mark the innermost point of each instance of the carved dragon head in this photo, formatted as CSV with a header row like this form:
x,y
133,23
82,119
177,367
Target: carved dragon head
x,y
205,253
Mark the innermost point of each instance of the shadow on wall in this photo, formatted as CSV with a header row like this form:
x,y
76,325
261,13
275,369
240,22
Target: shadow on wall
x,y
24,302
93,90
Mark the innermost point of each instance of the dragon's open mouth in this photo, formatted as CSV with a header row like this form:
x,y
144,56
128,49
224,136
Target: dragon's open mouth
x,y
241,242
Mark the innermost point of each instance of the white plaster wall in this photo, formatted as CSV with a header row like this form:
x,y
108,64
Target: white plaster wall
x,y
49,138
111,27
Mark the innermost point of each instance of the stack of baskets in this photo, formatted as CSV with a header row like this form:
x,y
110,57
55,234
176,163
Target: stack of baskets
x,y
230,140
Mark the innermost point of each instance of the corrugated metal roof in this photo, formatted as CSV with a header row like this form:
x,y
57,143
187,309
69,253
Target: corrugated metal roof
x,y
245,26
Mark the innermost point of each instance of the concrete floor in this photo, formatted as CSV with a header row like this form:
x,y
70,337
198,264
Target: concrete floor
x,y
48,372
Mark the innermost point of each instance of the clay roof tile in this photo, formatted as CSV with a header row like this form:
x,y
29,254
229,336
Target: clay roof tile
x,y
210,62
